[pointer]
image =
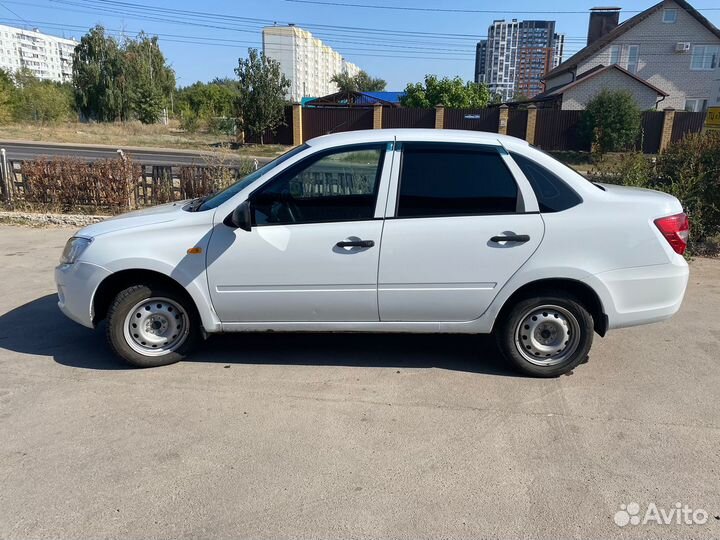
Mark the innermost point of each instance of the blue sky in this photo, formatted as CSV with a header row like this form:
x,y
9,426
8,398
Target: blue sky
x,y
204,46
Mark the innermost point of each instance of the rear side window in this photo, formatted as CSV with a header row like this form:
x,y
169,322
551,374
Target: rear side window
x,y
552,193
454,180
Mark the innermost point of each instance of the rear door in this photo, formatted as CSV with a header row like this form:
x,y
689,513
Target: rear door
x,y
458,228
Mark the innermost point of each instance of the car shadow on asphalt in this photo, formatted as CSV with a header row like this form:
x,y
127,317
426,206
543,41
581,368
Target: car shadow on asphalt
x,y
38,328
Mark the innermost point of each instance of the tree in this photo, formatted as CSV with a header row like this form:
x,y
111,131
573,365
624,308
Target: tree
x,y
7,97
150,80
213,99
41,101
114,81
611,121
452,93
362,82
99,77
261,94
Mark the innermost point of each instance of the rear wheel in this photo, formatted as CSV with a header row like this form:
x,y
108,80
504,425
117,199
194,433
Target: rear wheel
x,y
546,336
149,326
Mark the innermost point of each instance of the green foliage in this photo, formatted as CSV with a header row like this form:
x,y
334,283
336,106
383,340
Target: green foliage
x,y
99,78
261,94
41,101
114,81
453,93
611,121
208,105
362,82
688,170
7,97
150,80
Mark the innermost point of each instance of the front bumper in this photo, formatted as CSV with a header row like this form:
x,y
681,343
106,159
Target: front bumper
x,y
76,286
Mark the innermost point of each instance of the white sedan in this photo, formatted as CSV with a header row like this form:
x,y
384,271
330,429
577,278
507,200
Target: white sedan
x,y
426,231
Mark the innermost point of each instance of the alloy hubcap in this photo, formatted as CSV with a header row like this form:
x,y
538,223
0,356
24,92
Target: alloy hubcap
x,y
156,326
547,335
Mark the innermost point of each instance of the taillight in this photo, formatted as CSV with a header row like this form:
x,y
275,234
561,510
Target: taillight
x,y
676,230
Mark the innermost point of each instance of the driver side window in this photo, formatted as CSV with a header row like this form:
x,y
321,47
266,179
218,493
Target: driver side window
x,y
339,185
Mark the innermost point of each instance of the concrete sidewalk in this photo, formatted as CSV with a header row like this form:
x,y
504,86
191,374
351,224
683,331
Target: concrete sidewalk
x,y
353,436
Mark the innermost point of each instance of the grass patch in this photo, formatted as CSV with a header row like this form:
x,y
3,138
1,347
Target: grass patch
x,y
122,134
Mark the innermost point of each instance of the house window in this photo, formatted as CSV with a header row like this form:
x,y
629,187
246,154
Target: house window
x,y
705,57
669,15
615,54
633,55
696,104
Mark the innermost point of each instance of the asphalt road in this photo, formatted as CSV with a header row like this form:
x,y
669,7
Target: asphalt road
x,y
358,436
30,150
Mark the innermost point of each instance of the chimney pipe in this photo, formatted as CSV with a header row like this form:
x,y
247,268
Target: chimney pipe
x,y
603,20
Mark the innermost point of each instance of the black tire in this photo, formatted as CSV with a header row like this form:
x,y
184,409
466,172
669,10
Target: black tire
x,y
180,308
554,312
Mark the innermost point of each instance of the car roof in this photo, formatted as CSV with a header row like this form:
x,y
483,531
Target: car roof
x,y
414,134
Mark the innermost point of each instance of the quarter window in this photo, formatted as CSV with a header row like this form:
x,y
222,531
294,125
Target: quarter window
x,y
340,185
552,193
454,180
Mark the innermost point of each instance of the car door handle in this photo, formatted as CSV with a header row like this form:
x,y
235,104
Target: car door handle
x,y
356,243
511,238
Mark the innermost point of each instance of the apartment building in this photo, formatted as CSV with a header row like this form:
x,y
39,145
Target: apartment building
x,y
47,57
516,56
306,61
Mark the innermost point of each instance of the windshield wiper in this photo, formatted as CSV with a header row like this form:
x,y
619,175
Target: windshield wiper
x,y
195,204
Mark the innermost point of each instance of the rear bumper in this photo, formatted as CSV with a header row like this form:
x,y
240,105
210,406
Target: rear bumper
x,y
642,295
76,286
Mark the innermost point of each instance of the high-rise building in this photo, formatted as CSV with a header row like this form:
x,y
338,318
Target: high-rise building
x,y
480,57
47,57
306,61
516,56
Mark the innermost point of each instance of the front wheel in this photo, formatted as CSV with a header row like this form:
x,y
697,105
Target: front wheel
x,y
546,336
149,326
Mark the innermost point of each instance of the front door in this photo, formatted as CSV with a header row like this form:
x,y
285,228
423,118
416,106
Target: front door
x,y
457,234
312,253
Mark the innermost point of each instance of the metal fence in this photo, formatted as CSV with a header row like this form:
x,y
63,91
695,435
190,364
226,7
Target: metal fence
x,y
651,126
517,123
473,119
395,117
686,122
558,130
317,121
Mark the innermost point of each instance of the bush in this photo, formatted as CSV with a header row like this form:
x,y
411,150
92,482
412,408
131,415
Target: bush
x,y
611,121
42,101
67,184
189,120
688,170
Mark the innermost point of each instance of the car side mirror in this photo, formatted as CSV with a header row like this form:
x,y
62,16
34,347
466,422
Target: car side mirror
x,y
241,217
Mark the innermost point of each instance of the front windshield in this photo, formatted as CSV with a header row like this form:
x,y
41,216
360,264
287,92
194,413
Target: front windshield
x,y
220,197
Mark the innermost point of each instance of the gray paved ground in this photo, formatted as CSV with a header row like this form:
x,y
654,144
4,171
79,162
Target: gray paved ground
x,y
17,150
348,436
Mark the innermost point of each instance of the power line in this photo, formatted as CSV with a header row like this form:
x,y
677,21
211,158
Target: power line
x,y
11,11
457,10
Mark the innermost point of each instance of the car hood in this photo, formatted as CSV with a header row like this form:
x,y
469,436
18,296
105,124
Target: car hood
x,y
137,218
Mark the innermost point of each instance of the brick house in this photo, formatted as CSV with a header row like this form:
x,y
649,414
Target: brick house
x,y
666,56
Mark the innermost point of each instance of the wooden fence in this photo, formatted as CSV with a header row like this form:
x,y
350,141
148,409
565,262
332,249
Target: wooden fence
x,y
116,184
